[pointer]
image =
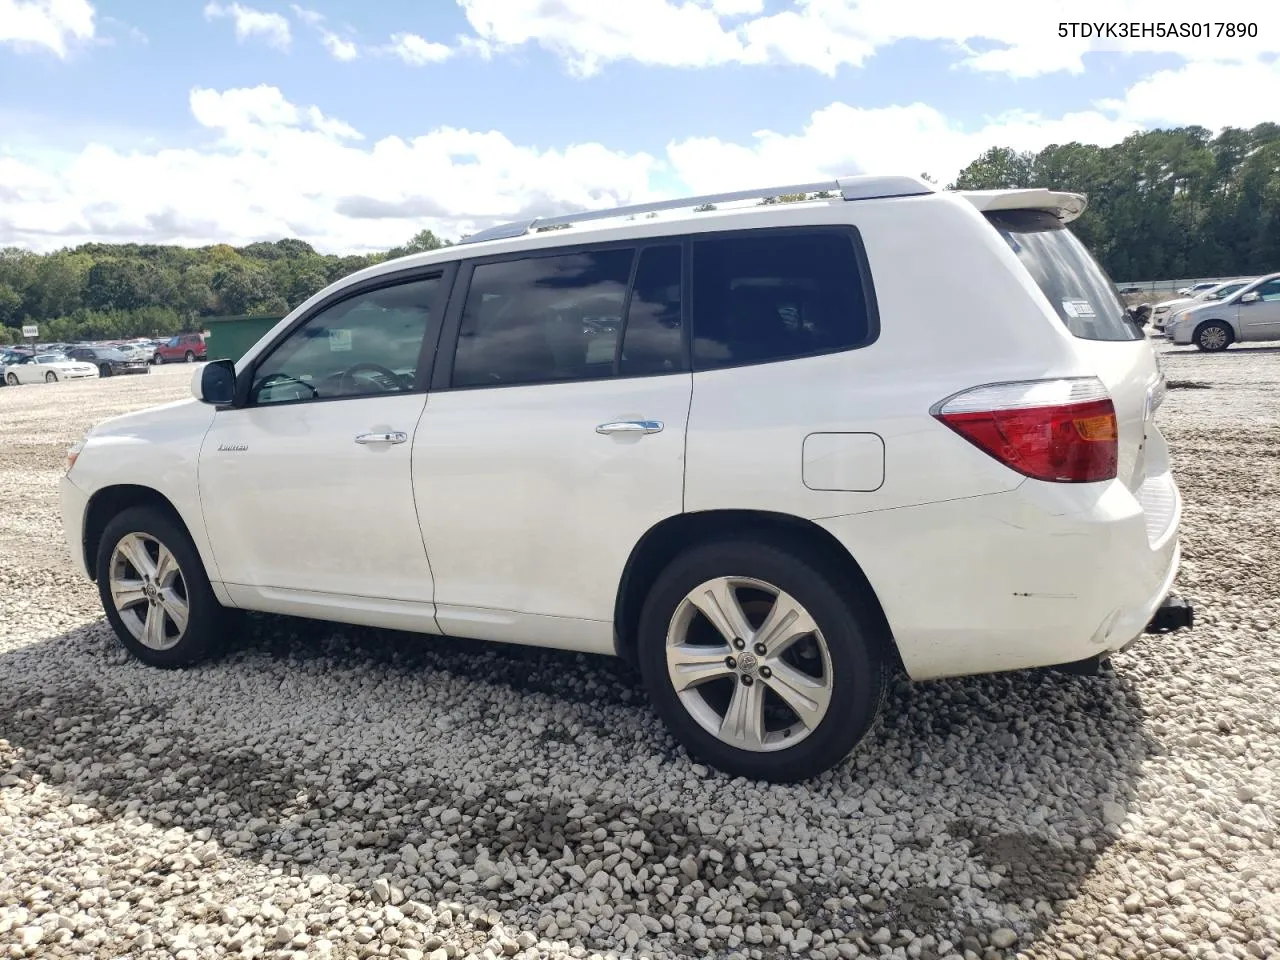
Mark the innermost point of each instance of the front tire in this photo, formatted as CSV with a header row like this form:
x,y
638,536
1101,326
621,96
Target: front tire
x,y
757,663
155,591
156,359
1213,337
104,370
50,377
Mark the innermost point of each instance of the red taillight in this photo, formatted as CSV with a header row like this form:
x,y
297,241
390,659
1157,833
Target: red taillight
x,y
1062,431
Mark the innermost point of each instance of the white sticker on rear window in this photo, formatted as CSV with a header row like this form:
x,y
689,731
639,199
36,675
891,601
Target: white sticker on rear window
x,y
339,341
1078,308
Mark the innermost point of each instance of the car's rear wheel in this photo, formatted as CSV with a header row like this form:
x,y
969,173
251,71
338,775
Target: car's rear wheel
x,y
1213,336
104,370
188,357
50,377
757,663
12,379
155,591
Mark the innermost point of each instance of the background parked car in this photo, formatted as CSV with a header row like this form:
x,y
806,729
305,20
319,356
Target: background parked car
x,y
8,356
47,367
1250,314
185,347
1198,288
1166,311
110,360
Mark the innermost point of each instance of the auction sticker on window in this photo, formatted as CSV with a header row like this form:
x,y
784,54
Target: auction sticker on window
x,y
339,341
1080,309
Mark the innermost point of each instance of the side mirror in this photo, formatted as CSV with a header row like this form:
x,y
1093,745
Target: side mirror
x,y
1250,297
215,383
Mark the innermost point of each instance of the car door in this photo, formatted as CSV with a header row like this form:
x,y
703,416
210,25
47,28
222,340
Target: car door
x,y
1260,319
305,481
553,439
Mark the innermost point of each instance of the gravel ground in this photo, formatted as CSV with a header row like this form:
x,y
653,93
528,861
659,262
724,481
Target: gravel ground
x,y
324,791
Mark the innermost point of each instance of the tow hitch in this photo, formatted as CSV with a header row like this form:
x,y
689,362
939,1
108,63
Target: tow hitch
x,y
1173,614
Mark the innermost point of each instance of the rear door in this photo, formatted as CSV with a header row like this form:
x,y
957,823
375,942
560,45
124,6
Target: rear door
x,y
1086,301
553,439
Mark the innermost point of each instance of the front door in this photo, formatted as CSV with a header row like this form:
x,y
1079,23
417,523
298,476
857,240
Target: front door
x,y
305,484
553,440
1260,319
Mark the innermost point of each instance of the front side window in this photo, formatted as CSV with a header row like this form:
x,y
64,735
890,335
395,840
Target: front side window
x,y
1269,290
543,319
773,295
365,345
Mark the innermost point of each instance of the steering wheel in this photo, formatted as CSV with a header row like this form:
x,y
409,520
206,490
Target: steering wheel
x,y
385,378
273,379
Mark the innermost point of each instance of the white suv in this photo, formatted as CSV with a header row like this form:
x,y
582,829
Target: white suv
x,y
744,447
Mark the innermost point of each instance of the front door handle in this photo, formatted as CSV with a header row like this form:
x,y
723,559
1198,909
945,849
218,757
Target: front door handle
x,y
630,426
396,436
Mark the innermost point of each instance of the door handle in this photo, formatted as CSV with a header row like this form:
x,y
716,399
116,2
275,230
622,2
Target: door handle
x,y
396,436
641,427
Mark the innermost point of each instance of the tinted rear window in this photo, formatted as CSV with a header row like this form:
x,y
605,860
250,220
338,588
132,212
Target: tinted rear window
x,y
1079,290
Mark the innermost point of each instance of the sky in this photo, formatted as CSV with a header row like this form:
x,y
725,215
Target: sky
x,y
354,124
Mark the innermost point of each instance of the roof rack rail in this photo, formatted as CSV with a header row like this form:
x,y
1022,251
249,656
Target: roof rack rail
x,y
848,188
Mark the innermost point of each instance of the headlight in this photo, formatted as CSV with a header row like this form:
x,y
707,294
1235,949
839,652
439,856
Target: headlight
x,y
73,453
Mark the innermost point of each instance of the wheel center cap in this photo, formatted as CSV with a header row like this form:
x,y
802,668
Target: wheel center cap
x,y
747,662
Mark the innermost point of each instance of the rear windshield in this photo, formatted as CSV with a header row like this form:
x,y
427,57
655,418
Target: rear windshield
x,y
1081,293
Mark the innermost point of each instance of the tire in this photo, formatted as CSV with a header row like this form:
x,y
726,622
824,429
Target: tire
x,y
1213,336
12,380
50,377
188,357
104,370
206,619
157,359
854,665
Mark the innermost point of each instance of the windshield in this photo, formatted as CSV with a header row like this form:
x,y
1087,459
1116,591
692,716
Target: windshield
x,y
51,358
1080,292
1226,290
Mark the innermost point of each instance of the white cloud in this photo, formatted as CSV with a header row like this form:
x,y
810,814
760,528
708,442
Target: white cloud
x,y
416,50
271,27
1007,36
312,18
54,25
339,48
271,168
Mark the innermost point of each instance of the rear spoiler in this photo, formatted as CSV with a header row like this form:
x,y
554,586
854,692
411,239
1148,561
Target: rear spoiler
x,y
1065,206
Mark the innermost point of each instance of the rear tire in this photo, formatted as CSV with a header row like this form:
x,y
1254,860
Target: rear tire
x,y
730,711
50,377
188,357
158,601
104,370
12,380
1213,336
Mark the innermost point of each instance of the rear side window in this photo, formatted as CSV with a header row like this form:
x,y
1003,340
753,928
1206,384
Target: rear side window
x,y
776,295
1079,290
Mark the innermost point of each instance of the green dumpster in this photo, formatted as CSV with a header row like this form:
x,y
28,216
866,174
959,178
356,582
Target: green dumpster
x,y
230,337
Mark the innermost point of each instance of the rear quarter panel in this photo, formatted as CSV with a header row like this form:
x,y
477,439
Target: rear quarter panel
x,y
956,310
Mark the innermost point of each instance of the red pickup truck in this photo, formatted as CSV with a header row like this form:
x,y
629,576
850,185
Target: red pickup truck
x,y
185,347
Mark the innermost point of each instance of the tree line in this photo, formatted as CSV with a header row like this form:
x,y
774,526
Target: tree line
x,y
1163,204
115,291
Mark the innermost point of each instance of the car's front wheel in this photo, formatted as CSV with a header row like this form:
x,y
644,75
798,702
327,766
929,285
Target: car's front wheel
x,y
50,377
757,663
157,359
104,370
155,591
1213,336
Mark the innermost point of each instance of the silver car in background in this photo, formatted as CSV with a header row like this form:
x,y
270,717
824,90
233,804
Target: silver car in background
x,y
1164,313
1250,314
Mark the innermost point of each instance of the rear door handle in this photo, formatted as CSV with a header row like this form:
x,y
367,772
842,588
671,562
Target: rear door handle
x,y
396,436
630,426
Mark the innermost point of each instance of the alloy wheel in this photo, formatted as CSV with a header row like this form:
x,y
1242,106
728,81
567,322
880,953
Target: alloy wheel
x,y
749,664
149,591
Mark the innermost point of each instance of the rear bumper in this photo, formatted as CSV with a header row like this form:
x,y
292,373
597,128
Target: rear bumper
x,y
1043,575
